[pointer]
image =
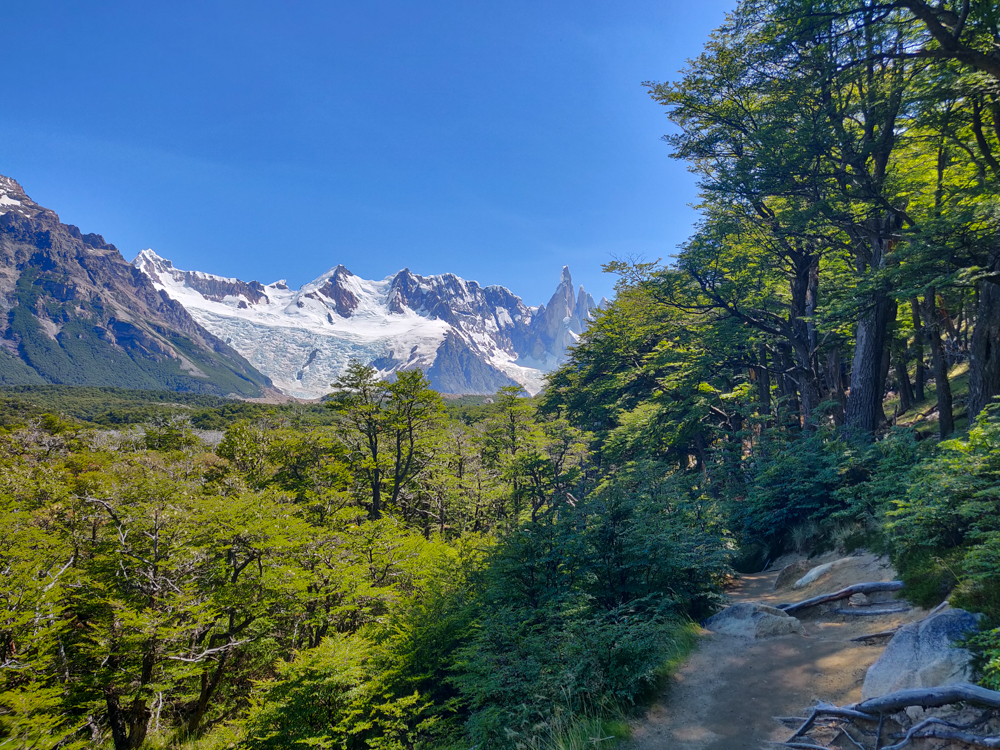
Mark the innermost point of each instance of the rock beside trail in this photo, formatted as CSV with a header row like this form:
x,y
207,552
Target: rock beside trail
x,y
791,573
818,572
923,654
753,621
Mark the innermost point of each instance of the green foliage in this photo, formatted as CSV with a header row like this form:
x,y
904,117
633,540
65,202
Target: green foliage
x,y
120,407
13,371
945,528
585,607
389,429
80,353
793,479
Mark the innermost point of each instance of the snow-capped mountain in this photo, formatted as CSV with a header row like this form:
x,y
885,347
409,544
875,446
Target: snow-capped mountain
x,y
73,311
467,338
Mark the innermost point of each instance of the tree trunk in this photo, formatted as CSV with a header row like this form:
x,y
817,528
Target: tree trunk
x,y
116,718
984,352
903,379
864,403
836,384
804,290
762,384
128,728
788,386
884,375
376,510
946,420
209,684
918,351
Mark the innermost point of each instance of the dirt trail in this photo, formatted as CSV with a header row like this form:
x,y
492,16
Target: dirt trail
x,y
727,694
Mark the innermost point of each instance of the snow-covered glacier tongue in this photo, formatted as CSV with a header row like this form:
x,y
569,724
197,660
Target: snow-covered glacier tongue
x,y
467,338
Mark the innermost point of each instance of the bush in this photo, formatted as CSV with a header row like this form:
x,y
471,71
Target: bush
x,y
793,480
584,608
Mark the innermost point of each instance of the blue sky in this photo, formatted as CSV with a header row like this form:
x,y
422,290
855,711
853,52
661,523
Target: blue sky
x,y
497,141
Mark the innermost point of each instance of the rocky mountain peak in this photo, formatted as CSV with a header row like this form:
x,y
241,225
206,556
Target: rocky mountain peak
x,y
218,288
14,201
468,338
152,264
12,187
73,311
337,289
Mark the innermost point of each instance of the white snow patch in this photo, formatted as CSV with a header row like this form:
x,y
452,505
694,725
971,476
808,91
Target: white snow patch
x,y
289,328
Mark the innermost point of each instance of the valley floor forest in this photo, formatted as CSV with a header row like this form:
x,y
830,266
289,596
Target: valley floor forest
x,y
816,369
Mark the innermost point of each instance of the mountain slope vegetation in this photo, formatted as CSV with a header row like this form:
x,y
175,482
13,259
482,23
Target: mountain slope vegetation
x,y
75,313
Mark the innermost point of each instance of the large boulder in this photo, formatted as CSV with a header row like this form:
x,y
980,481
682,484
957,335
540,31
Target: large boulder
x,y
923,654
819,571
791,573
752,621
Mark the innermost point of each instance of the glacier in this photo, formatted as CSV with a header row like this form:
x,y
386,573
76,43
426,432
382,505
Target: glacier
x,y
466,337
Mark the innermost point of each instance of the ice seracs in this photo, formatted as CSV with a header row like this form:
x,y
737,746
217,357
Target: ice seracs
x,y
467,338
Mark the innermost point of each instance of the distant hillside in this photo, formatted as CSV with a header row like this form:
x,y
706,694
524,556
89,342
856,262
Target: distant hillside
x,y
73,311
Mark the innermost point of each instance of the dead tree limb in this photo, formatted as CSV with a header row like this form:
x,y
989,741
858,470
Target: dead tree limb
x,y
858,588
871,612
929,698
879,634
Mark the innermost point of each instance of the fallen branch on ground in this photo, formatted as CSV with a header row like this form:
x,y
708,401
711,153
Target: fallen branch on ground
x,y
871,612
880,634
858,588
892,631
937,609
930,698
853,741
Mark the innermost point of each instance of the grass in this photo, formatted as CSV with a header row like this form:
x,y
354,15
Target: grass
x,y
607,725
598,729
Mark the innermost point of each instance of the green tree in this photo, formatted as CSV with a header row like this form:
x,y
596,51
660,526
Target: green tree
x,y
390,428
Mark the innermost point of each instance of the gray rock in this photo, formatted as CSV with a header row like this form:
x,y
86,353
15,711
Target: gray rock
x,y
819,571
922,654
791,573
858,600
753,621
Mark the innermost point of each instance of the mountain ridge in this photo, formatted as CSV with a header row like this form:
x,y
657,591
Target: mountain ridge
x,y
74,311
467,337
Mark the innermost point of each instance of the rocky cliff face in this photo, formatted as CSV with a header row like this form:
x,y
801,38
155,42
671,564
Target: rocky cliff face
x,y
73,311
467,338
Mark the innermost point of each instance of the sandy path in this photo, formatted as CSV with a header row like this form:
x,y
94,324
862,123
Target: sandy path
x,y
726,695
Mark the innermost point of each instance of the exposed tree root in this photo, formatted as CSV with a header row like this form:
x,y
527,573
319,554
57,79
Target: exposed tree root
x,y
874,636
859,612
929,729
930,698
858,588
867,719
